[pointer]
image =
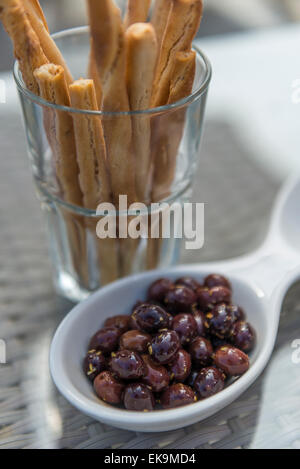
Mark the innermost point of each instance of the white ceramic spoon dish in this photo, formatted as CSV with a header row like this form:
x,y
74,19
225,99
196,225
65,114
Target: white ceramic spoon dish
x,y
260,281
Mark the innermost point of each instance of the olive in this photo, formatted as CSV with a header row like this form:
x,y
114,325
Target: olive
x,y
216,280
106,340
238,313
203,298
135,340
178,395
202,325
164,347
138,397
220,295
127,364
243,336
201,352
158,290
109,388
209,381
189,282
120,322
156,376
231,360
180,298
220,320
209,297
186,327
151,318
94,364
180,368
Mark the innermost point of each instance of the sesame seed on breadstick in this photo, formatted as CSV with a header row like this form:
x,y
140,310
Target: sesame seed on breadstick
x,y
27,48
48,45
137,12
141,48
183,24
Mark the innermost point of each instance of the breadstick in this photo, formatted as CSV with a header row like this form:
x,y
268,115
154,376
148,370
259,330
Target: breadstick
x,y
27,47
105,32
159,19
48,45
53,88
60,133
90,146
109,48
93,74
167,135
39,12
94,181
168,131
141,48
137,12
183,24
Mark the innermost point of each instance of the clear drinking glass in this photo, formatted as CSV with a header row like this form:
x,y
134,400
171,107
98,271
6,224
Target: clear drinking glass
x,y
81,261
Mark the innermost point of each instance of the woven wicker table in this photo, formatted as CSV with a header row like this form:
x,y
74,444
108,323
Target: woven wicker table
x,y
32,414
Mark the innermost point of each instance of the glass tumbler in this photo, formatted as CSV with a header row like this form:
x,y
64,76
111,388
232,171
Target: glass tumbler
x,y
82,262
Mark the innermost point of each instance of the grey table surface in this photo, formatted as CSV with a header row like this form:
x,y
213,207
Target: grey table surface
x,y
238,195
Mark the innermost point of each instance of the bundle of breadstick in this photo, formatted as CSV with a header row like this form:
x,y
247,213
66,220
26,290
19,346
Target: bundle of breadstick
x,y
142,61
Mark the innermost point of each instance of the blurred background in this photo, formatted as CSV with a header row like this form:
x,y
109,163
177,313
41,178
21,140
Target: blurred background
x,y
221,17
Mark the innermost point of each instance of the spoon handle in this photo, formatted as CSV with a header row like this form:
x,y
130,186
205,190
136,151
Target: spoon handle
x,y
272,273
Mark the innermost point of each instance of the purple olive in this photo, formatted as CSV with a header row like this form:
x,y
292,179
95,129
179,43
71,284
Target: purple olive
x,y
178,395
202,324
106,340
109,388
156,376
231,360
209,381
138,397
151,318
164,347
185,326
201,352
188,282
180,368
120,322
208,298
243,336
237,312
127,364
216,280
220,320
158,290
94,364
180,298
135,340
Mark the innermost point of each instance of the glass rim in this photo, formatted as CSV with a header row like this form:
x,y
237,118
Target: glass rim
x,y
153,111
77,210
